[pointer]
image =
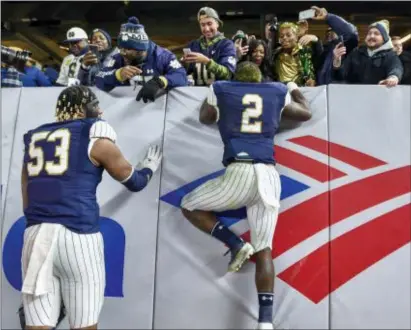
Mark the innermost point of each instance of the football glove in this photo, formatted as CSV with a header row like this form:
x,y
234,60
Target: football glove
x,y
149,90
153,158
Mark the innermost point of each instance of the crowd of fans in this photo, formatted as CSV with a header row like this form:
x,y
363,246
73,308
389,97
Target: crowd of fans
x,y
288,52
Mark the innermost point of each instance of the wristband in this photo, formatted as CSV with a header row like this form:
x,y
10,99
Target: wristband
x,y
137,180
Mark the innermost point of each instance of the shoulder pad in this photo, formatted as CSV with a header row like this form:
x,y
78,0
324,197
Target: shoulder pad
x,y
26,136
102,130
279,85
217,85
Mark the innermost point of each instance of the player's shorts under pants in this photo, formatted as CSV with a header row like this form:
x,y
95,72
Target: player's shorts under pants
x,y
255,186
79,280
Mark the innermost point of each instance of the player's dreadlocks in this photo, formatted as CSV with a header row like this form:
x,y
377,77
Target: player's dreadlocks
x,y
73,102
248,72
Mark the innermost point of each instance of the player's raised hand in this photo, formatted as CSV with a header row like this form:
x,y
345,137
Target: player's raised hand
x,y
153,158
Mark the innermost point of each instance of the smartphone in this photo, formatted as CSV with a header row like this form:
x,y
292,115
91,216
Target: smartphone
x,y
244,42
186,51
94,49
341,39
306,14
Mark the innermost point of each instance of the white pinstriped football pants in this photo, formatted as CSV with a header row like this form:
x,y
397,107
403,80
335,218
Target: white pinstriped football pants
x,y
79,280
237,188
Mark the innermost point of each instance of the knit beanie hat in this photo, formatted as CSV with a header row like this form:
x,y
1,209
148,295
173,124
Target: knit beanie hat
x,y
104,33
133,36
383,27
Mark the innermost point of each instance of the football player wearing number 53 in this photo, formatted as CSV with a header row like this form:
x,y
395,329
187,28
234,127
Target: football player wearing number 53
x,y
248,115
63,251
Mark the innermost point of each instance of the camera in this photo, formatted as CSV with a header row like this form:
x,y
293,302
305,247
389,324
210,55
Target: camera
x,y
15,58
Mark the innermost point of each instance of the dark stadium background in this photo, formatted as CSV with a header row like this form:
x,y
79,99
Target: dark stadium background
x,y
41,26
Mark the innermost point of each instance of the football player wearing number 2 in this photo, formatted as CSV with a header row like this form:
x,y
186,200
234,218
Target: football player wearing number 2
x,y
248,115
63,252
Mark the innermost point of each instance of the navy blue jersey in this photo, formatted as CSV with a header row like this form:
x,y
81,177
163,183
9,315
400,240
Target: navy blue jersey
x,y
249,116
221,50
62,181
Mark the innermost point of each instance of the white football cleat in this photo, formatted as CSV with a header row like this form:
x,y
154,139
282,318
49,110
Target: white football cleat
x,y
240,257
265,325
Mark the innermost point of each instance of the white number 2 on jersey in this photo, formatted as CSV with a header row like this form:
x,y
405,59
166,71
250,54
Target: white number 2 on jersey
x,y
253,110
61,153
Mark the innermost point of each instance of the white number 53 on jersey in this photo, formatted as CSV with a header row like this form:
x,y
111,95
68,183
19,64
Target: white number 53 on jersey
x,y
253,104
61,138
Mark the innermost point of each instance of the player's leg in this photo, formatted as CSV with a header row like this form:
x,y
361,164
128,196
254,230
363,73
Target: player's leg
x,y
230,191
22,316
262,225
39,312
42,312
262,218
207,222
80,260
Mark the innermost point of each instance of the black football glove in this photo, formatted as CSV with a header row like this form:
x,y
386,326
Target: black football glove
x,y
149,90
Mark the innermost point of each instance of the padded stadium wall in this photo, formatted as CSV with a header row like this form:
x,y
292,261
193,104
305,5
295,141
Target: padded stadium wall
x,y
342,243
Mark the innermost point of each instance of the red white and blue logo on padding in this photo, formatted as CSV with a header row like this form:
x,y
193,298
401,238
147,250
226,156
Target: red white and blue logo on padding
x,y
338,201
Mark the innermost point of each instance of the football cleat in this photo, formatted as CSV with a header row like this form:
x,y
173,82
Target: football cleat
x,y
240,256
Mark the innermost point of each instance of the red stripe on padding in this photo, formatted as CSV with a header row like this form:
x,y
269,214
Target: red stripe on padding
x,y
305,165
347,155
308,218
338,261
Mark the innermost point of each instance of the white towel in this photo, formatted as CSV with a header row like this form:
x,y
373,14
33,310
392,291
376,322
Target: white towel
x,y
39,274
269,186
